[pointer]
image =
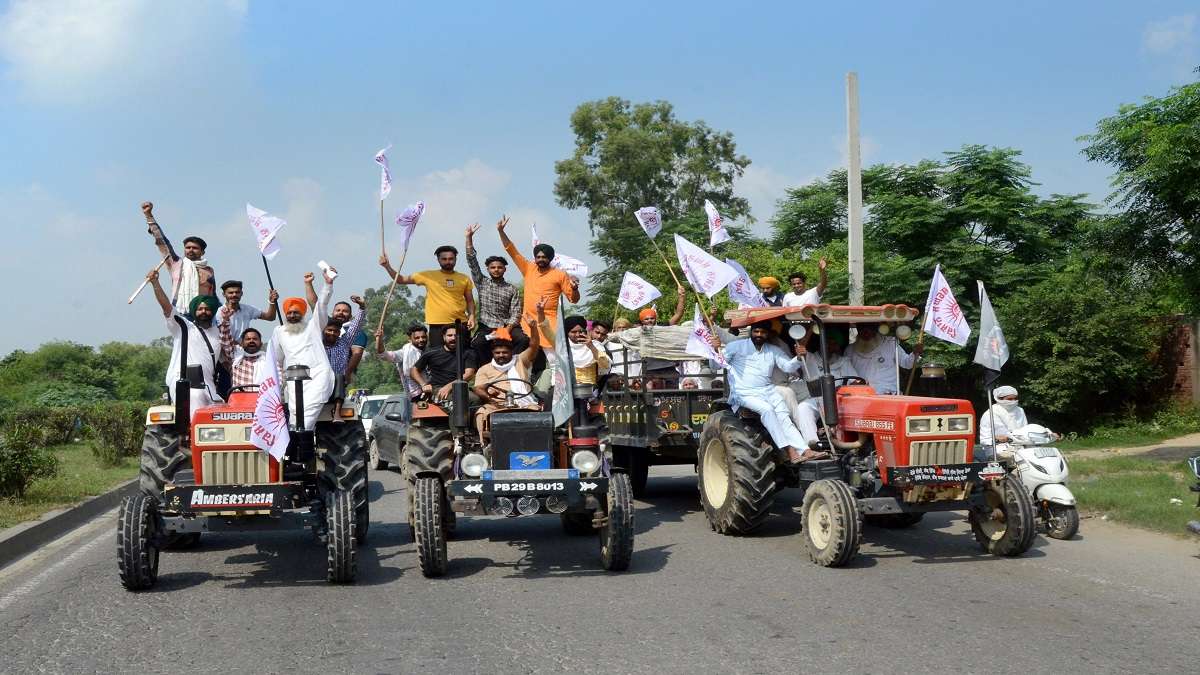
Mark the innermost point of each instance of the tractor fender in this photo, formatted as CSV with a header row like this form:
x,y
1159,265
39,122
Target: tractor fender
x,y
1056,493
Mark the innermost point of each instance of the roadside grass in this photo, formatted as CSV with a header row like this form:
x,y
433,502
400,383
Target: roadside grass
x,y
1167,423
1136,491
80,475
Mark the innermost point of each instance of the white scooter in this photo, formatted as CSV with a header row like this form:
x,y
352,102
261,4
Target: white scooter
x,y
1043,472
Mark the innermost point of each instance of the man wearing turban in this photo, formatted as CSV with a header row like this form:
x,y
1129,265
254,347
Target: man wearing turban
x,y
507,373
300,343
769,286
204,341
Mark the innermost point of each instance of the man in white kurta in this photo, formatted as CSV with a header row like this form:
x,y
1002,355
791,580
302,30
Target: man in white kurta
x,y
751,364
839,367
299,342
204,342
874,357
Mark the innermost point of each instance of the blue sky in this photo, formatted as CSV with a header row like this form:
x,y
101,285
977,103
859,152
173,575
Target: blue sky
x,y
203,106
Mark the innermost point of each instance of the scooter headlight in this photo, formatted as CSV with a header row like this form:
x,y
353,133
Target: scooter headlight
x,y
585,461
473,464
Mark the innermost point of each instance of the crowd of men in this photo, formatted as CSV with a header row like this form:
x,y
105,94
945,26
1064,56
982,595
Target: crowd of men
x,y
508,330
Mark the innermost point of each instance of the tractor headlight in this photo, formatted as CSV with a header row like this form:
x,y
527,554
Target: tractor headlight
x,y
918,426
211,434
959,424
474,464
586,461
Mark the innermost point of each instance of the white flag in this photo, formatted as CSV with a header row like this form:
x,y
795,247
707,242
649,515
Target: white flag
x,y
706,274
636,292
562,374
743,290
992,350
533,231
407,220
716,227
269,432
698,343
385,174
571,266
648,218
943,317
265,228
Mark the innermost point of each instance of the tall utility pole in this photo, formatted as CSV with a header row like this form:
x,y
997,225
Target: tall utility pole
x,y
854,187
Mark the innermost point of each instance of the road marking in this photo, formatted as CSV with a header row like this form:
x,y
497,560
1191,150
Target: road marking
x,y
30,586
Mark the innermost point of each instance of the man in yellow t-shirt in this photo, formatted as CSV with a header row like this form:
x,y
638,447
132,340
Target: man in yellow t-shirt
x,y
449,295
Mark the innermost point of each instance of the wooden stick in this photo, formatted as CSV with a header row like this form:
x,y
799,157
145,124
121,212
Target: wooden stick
x,y
147,280
382,245
388,300
916,361
664,257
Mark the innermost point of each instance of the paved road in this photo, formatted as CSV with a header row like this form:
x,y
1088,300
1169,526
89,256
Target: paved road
x,y
521,597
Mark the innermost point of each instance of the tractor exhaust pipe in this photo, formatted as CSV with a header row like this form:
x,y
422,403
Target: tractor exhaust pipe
x,y
183,388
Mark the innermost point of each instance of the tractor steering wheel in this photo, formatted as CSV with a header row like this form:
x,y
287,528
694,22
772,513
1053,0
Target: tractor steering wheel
x,y
244,387
510,398
853,379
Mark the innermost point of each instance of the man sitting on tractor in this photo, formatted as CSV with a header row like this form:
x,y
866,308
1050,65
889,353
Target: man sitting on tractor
x,y
751,364
874,357
437,368
589,360
504,374
840,368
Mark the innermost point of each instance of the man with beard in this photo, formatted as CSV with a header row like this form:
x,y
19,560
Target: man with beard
x,y
513,373
338,320
542,282
191,275
589,360
874,358
405,357
238,317
769,287
499,301
649,315
840,367
299,343
437,367
751,364
204,341
448,294
339,335
246,355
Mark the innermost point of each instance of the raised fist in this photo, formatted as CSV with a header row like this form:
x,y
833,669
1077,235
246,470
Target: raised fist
x,y
148,210
308,277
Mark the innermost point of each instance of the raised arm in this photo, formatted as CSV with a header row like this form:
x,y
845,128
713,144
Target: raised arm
x,y
681,296
356,323
822,268
160,239
310,293
472,259
386,264
572,289
322,308
159,294
535,344
519,261
383,353
272,309
226,335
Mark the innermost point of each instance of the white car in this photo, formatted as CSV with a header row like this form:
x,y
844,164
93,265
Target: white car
x,y
368,407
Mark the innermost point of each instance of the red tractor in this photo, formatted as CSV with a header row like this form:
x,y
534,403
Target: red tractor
x,y
200,473
893,458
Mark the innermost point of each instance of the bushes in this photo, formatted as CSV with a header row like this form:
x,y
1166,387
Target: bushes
x,y
116,429
23,458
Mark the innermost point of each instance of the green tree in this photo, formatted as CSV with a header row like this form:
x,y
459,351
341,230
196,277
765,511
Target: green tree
x,y
375,373
632,155
1155,148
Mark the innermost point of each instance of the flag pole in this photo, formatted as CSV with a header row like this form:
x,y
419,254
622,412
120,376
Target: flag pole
x,y
271,285
916,360
388,299
147,280
668,264
382,245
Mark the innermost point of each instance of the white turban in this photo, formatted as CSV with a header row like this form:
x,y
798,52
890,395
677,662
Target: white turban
x,y
1001,392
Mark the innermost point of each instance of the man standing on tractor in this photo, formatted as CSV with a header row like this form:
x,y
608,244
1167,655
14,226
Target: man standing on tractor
x,y
300,343
339,337
437,367
801,294
542,282
751,364
873,356
448,294
769,287
513,373
499,301
204,342
191,275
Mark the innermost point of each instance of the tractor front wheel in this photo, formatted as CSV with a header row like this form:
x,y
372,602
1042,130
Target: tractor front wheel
x,y
340,537
737,475
616,537
163,454
137,542
1005,526
831,522
429,527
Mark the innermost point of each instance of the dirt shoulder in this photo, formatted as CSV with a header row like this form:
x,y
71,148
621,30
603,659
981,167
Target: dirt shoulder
x,y
1170,449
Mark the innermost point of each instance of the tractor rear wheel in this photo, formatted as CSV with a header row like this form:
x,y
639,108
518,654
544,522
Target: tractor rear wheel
x,y
616,537
428,451
894,521
137,542
429,529
163,454
343,467
737,474
341,547
1007,527
1063,522
831,522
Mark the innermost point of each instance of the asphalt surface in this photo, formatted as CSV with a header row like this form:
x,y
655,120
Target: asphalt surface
x,y
522,597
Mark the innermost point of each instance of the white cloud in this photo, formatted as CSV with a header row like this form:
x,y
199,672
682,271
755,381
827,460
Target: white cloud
x,y
763,187
1177,33
76,50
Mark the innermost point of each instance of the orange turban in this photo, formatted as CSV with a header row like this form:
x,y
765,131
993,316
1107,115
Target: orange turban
x,y
299,304
648,313
501,333
770,282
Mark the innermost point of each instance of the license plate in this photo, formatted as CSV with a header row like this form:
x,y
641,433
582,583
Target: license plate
x,y
529,486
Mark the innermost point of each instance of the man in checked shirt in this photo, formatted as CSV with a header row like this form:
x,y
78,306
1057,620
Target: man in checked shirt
x,y
499,302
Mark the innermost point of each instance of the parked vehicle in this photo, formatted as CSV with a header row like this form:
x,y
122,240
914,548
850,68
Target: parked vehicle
x,y
368,407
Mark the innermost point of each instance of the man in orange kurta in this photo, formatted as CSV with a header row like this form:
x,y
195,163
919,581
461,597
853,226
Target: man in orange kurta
x,y
542,282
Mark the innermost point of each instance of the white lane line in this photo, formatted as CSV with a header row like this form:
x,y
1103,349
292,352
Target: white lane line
x,y
30,586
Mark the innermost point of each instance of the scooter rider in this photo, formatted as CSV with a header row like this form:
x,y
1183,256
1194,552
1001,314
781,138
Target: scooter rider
x,y
1008,418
